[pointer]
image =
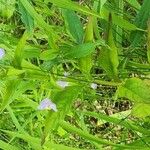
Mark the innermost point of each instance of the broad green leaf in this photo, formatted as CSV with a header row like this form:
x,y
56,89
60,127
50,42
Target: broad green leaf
x,y
86,63
139,92
67,4
136,90
141,22
141,110
73,25
63,101
81,50
26,18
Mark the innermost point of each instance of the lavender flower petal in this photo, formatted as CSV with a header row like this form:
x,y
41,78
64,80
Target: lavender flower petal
x,y
2,53
94,86
47,104
62,84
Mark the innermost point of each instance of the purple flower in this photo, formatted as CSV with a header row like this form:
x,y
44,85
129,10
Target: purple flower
x,y
2,53
47,104
94,86
62,84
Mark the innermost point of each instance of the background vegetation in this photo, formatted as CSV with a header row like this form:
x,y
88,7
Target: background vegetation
x,y
90,59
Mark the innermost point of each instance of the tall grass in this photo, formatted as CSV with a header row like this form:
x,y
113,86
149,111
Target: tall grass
x,y
74,74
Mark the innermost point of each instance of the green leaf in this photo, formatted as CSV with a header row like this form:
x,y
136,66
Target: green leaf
x,y
141,110
139,92
136,90
108,58
26,18
118,20
73,25
9,91
27,65
14,72
48,55
67,4
81,50
19,50
86,63
31,52
40,21
63,101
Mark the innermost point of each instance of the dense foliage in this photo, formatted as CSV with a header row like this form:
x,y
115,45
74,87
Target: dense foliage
x,y
74,74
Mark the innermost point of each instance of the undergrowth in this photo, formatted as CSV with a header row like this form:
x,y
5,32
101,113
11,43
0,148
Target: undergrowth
x,y
74,74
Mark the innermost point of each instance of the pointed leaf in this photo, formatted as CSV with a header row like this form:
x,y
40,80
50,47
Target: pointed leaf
x,y
73,25
108,58
86,63
26,18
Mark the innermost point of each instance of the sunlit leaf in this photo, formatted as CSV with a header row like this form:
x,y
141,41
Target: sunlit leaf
x,y
137,91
